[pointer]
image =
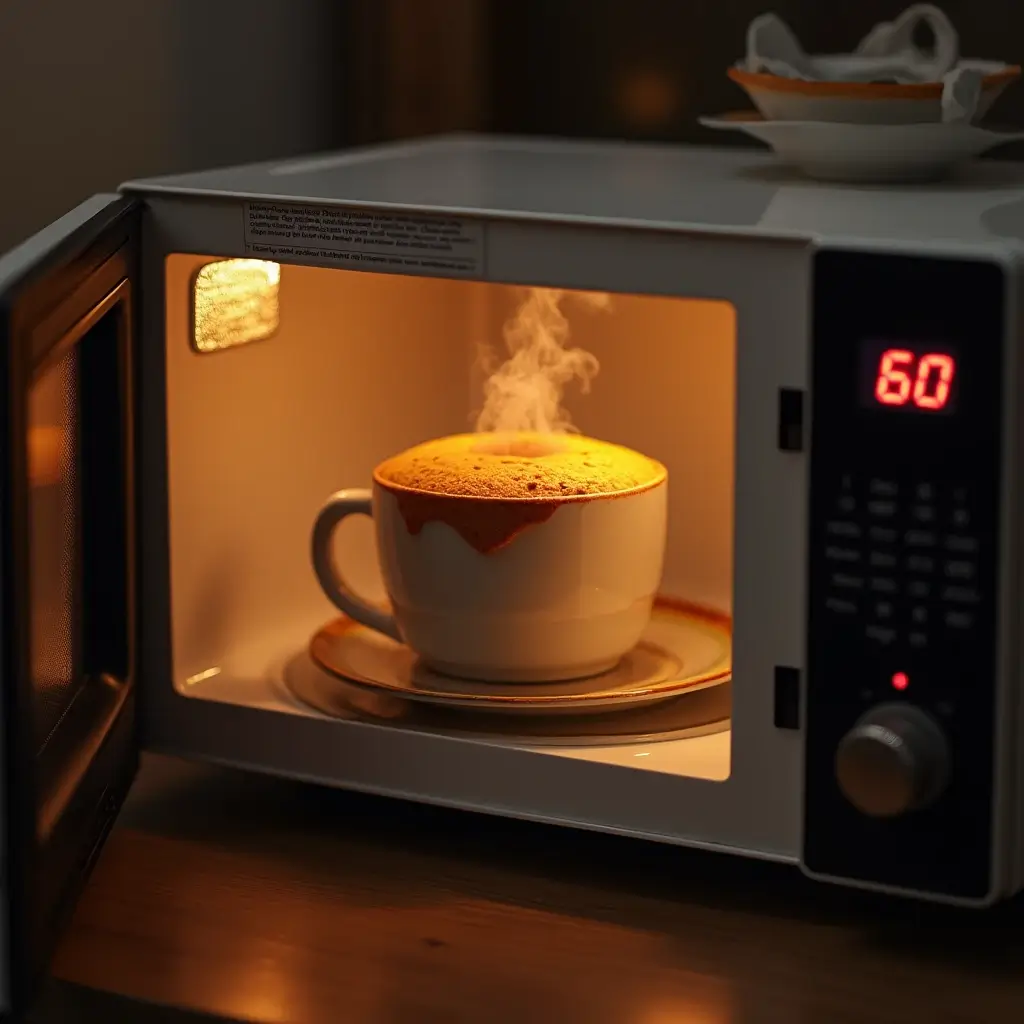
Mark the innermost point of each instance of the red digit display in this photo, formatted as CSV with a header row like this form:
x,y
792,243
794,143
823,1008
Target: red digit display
x,y
924,381
934,377
893,384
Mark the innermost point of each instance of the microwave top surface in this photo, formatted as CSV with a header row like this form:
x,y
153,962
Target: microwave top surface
x,y
664,187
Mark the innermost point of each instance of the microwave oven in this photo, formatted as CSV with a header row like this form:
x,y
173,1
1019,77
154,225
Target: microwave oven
x,y
830,375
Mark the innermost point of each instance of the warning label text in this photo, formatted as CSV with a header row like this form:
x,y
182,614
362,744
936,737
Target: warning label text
x,y
444,246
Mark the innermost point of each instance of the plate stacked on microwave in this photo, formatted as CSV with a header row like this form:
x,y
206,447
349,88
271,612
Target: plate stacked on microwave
x,y
672,684
888,112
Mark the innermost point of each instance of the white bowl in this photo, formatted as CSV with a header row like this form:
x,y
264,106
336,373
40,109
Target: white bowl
x,y
794,99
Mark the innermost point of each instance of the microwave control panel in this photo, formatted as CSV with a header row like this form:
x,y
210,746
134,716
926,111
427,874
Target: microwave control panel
x,y
904,529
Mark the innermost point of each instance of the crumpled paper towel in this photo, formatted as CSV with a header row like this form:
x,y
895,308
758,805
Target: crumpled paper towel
x,y
886,54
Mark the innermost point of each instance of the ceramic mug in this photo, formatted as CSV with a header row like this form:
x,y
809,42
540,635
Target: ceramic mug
x,y
566,595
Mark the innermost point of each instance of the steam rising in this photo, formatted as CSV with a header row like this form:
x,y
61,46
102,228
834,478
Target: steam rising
x,y
525,391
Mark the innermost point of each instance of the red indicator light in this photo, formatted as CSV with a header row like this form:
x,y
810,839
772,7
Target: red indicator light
x,y
900,680
924,382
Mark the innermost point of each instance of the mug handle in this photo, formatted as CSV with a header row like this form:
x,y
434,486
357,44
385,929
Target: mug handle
x,y
339,505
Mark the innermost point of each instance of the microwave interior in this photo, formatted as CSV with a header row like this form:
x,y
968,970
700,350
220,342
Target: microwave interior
x,y
286,383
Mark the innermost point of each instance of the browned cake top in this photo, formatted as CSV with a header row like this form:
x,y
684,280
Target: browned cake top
x,y
521,465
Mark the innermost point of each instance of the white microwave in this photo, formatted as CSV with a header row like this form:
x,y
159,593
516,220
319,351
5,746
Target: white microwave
x,y
829,374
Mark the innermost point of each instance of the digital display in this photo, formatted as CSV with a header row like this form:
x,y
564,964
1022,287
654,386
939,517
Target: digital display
x,y
910,378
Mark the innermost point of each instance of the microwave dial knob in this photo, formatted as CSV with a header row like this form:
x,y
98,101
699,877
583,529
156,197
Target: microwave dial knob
x,y
894,760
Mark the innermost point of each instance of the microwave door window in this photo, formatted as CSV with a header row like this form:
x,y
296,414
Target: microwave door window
x,y
54,543
69,749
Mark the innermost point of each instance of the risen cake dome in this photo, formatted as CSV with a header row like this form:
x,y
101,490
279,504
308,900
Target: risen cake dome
x,y
520,465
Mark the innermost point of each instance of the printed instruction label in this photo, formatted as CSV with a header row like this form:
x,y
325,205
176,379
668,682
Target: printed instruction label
x,y
365,239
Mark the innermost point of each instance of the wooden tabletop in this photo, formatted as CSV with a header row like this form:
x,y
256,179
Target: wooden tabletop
x,y
259,899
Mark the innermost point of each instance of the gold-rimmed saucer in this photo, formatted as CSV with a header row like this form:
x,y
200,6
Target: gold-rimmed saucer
x,y
703,713
684,648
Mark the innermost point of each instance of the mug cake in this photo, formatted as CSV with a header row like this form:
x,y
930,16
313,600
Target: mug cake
x,y
518,480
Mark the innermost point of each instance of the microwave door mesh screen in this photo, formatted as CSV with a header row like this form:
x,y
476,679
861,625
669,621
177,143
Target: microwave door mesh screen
x,y
54,528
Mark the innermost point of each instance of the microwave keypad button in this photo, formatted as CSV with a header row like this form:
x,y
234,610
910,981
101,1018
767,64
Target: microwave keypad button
x,y
838,554
842,528
920,563
922,548
960,544
883,534
960,570
883,488
881,634
882,509
846,581
959,620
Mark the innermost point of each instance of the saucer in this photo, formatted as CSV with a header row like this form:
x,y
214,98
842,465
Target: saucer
x,y
868,153
705,711
684,648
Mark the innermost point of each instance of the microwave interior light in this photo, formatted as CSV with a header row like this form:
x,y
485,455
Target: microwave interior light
x,y
235,302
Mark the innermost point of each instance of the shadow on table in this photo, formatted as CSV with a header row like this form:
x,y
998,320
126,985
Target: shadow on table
x,y
65,1003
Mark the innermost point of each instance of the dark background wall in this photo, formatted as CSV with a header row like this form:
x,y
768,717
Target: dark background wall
x,y
96,92
648,68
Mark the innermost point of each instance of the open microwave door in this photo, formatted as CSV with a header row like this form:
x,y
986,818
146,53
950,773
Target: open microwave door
x,y
68,745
